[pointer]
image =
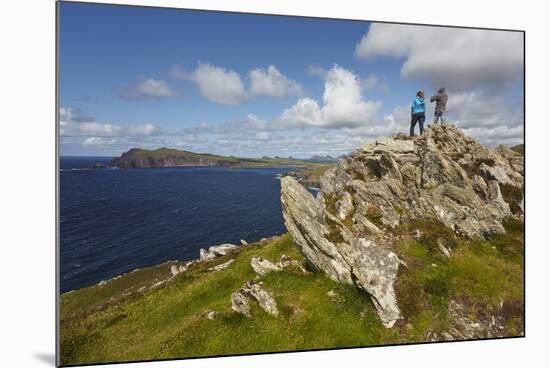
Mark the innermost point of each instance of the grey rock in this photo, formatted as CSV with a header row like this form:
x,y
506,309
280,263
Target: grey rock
x,y
158,283
263,266
221,266
442,176
217,251
174,270
345,206
480,186
287,262
331,294
212,315
253,291
446,252
495,173
464,327
360,261
522,205
495,195
240,302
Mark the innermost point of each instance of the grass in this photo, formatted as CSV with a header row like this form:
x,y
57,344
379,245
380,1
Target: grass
x,y
311,173
374,214
170,321
484,275
520,148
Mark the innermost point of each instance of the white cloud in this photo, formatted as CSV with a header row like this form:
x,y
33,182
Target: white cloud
x,y
98,141
154,88
372,82
177,72
145,89
494,136
482,109
481,70
263,136
343,105
305,112
256,123
272,83
71,124
142,129
219,85
226,87
316,71
460,59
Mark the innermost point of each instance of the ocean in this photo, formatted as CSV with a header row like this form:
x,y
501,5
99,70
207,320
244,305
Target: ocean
x,y
115,220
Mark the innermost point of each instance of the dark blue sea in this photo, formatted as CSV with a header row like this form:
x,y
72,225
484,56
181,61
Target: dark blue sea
x,y
116,220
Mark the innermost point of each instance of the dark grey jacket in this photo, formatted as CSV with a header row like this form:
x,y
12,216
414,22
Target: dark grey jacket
x,y
440,101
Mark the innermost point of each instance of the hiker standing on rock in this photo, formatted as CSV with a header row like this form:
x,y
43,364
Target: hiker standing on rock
x,y
440,104
418,112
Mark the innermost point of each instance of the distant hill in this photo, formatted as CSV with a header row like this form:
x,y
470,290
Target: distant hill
x,y
520,148
169,157
322,159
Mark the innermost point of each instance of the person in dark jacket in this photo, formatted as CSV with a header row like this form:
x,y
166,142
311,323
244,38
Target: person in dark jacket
x,y
418,112
440,105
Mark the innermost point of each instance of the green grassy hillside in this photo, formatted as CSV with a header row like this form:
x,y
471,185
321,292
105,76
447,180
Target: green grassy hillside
x,y
169,157
127,319
520,148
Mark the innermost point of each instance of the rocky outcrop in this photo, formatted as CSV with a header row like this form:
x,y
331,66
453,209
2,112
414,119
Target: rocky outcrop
x,y
286,263
263,266
463,327
442,177
217,251
253,291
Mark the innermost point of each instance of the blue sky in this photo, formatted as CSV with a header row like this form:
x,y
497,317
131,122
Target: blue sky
x,y
252,85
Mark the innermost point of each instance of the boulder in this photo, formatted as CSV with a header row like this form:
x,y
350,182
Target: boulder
x,y
253,291
174,270
495,195
217,251
331,294
495,173
442,177
263,266
240,302
212,315
286,262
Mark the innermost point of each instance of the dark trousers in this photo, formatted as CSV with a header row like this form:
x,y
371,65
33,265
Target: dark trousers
x,y
419,118
438,115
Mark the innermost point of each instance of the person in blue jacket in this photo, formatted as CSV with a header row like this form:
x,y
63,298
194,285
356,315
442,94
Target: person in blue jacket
x,y
418,112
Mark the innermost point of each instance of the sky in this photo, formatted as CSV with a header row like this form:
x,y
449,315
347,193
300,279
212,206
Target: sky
x,y
257,85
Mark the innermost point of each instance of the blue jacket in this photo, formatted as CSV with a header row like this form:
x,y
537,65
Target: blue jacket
x,y
418,106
